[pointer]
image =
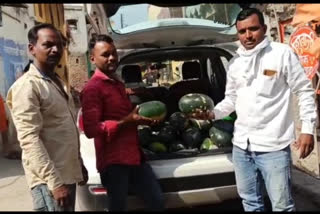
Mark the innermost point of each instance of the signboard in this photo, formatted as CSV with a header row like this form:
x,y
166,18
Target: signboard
x,y
301,41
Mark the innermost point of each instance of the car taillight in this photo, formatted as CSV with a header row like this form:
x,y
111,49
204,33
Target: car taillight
x,y
80,120
97,190
81,123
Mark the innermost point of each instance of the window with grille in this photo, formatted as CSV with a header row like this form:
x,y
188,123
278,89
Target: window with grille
x,y
72,24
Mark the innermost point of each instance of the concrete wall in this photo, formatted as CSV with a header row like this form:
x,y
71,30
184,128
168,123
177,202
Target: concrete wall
x,y
78,72
16,23
79,40
98,15
275,13
77,60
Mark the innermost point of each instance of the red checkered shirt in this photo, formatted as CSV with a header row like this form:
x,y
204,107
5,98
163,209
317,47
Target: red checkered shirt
x,y
105,102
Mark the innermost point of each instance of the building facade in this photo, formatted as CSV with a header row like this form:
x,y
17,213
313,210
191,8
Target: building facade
x,y
15,23
77,62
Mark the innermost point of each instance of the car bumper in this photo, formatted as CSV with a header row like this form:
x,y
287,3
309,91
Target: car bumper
x,y
89,201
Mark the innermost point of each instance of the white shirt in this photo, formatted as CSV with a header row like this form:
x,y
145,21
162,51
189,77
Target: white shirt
x,y
260,83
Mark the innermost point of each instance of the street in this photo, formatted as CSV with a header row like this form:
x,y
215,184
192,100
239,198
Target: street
x,y
15,196
302,204
14,192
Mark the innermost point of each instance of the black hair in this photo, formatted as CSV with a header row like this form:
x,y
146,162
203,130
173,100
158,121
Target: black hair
x,y
99,38
33,32
27,66
245,13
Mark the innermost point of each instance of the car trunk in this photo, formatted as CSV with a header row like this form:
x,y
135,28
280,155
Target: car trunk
x,y
212,62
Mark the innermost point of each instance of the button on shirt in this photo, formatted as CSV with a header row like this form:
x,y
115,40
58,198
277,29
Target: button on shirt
x,y
260,85
105,102
46,129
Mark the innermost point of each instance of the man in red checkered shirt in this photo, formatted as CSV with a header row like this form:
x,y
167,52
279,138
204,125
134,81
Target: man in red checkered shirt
x,y
109,118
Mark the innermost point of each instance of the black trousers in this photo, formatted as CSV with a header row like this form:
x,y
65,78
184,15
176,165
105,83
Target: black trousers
x,y
119,179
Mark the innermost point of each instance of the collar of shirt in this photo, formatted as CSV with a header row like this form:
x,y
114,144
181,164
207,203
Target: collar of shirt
x,y
100,75
34,71
253,52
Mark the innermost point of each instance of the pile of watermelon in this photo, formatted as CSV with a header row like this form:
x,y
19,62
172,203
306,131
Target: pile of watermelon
x,y
178,132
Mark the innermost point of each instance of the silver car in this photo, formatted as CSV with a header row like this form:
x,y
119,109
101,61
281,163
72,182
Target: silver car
x,y
190,46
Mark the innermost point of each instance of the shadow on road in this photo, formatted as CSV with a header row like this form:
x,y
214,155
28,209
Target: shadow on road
x,y
10,168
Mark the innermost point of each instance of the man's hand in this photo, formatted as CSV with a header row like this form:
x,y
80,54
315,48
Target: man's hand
x,y
129,91
85,176
135,119
61,195
202,115
305,143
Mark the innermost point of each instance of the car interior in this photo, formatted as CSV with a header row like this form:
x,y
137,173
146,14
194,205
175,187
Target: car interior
x,y
201,71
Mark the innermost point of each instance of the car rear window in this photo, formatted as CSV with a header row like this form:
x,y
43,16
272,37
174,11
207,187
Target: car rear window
x,y
135,17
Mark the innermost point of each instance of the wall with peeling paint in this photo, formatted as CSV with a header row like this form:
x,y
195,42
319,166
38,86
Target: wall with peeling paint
x,y
16,23
13,56
78,47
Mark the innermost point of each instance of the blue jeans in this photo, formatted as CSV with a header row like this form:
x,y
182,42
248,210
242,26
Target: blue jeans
x,y
254,170
43,199
119,179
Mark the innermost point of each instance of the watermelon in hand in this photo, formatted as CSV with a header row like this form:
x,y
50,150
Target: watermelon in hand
x,y
190,102
153,109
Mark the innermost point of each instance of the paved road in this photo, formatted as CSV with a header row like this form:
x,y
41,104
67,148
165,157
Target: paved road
x,y
302,204
15,196
14,193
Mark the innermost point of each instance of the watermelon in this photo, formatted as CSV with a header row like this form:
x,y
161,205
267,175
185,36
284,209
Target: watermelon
x,y
157,147
189,102
167,134
176,146
159,126
153,109
147,151
224,125
220,138
207,145
145,135
192,137
201,124
178,120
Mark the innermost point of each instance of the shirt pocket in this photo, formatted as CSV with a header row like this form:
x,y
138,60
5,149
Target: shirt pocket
x,y
266,85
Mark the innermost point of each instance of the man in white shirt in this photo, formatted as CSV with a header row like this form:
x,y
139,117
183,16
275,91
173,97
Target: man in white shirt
x,y
261,79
